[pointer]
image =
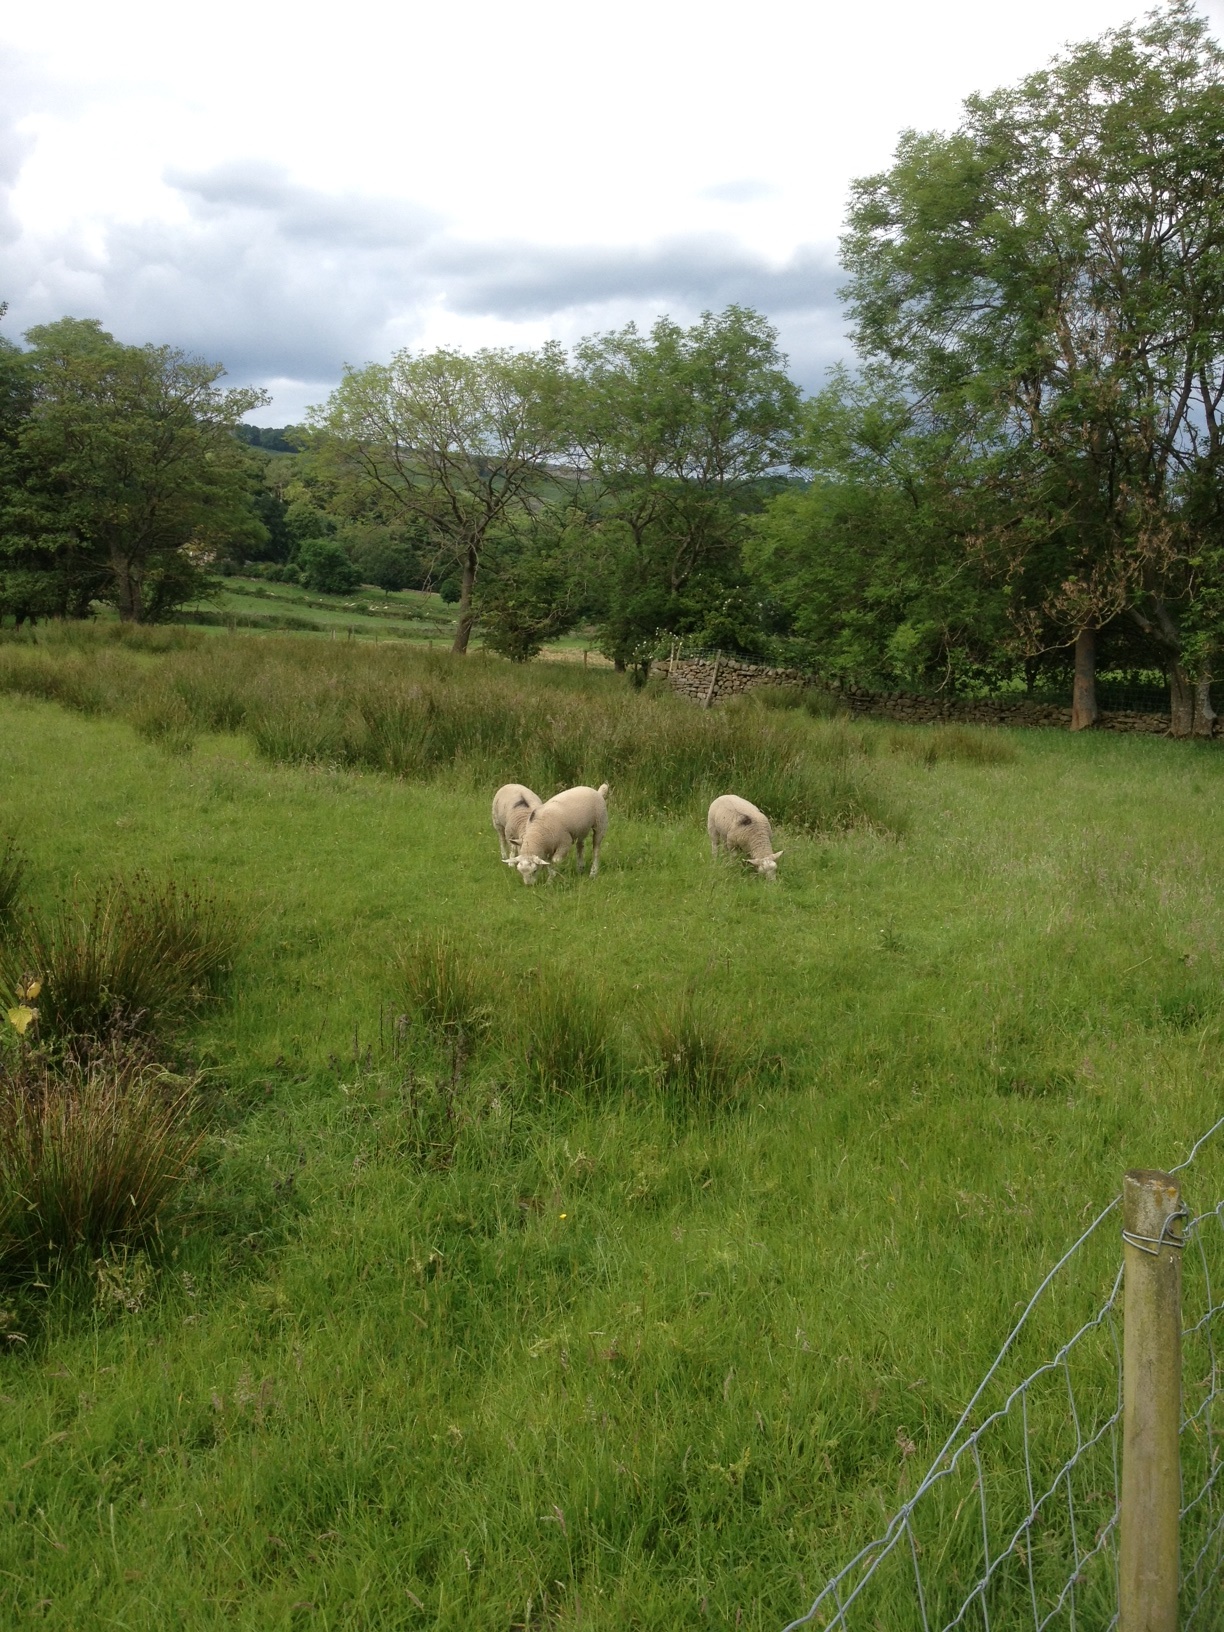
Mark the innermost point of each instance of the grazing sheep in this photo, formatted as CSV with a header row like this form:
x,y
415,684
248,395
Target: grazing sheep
x,y
563,820
512,805
737,825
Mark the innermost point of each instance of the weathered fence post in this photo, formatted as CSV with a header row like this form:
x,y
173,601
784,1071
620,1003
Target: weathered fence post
x,y
1151,1403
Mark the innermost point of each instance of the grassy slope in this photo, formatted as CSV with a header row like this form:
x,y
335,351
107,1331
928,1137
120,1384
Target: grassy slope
x,y
650,1373
371,613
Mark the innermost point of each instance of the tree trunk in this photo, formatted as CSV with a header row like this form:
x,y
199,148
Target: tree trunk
x,y
1083,698
463,629
1204,714
618,663
1181,701
127,589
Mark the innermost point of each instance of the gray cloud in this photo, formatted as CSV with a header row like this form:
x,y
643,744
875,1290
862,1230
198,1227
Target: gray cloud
x,y
526,280
288,283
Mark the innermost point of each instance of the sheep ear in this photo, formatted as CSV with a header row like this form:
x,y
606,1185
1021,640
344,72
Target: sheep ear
x,y
509,861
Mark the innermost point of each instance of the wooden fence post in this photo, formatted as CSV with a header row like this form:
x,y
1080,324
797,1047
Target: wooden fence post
x,y
1151,1403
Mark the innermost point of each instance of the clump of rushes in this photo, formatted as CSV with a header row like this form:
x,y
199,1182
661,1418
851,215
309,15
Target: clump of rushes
x,y
444,990
91,1154
930,745
138,958
697,1058
566,1043
165,720
12,871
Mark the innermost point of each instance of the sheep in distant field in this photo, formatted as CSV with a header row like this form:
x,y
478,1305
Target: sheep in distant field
x,y
512,805
552,827
737,825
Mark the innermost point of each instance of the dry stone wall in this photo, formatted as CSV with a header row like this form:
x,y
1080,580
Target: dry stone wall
x,y
713,680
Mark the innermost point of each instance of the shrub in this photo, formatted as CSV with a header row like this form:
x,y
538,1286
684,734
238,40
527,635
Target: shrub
x,y
138,958
90,1155
696,1057
566,1043
326,568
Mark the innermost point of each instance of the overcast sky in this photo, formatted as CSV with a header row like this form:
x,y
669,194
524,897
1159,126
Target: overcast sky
x,y
289,188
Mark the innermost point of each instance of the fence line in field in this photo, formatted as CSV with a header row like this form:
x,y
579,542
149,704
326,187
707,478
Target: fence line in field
x,y
1054,1560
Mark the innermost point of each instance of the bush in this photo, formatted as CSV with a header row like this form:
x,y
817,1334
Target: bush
x,y
90,1156
326,569
137,959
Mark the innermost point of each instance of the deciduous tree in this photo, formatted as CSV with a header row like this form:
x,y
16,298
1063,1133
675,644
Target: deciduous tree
x,y
1054,271
128,476
457,443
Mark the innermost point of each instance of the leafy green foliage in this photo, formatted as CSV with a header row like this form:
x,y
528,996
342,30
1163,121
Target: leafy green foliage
x,y
128,483
450,443
325,566
680,428
1044,280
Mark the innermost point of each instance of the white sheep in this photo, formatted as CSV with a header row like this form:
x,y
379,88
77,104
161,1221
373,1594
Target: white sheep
x,y
552,827
737,825
512,805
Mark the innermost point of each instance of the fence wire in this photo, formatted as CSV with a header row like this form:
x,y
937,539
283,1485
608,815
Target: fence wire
x,y
1015,1523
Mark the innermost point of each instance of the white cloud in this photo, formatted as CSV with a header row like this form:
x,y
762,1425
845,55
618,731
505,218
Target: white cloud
x,y
293,189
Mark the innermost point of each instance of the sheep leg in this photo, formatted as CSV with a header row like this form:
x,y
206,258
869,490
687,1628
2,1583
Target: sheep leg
x,y
596,835
581,847
502,845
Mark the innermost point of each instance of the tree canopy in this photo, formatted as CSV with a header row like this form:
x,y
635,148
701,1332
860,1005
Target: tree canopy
x,y
126,478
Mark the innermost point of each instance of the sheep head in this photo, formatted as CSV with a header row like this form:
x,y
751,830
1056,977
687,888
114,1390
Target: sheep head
x,y
527,866
767,866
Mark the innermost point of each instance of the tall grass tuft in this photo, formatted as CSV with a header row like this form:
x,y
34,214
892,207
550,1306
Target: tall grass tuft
x,y
424,717
137,958
961,744
90,1155
12,874
565,1040
164,719
444,990
697,1058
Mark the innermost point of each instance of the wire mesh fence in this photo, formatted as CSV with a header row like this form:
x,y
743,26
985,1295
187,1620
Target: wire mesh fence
x,y
1016,1522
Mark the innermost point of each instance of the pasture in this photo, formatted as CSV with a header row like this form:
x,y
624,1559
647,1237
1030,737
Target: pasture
x,y
635,1287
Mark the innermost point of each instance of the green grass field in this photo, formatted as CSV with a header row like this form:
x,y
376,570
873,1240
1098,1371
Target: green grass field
x,y
369,614
427,1346
259,604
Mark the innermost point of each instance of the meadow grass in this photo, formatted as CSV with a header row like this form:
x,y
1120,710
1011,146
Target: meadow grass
x,y
436,1348
418,716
